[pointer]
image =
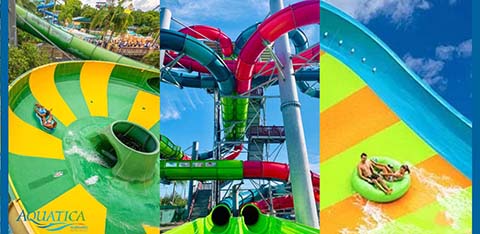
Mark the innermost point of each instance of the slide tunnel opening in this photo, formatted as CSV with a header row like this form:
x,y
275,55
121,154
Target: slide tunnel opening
x,y
221,215
135,137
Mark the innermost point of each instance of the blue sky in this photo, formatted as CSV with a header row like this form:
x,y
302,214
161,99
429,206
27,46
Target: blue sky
x,y
434,38
187,114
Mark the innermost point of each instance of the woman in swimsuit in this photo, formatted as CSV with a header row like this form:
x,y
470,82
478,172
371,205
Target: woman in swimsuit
x,y
397,175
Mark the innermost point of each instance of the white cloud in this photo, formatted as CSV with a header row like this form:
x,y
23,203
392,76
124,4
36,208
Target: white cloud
x,y
399,11
169,113
429,69
448,52
464,49
445,52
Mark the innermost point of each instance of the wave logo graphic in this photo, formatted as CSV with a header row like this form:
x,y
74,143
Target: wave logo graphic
x,y
56,220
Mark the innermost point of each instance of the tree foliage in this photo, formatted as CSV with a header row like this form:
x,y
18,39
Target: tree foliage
x,y
152,58
175,200
23,58
72,8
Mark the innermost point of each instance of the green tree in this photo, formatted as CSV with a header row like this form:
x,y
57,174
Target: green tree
x,y
72,8
152,58
113,18
23,58
175,200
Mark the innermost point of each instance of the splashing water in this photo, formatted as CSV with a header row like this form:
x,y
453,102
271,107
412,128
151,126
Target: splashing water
x,y
377,222
78,146
456,202
89,155
91,180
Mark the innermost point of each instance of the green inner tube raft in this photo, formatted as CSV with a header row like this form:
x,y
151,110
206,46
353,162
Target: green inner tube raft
x,y
372,193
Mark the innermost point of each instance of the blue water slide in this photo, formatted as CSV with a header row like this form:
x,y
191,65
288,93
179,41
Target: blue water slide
x,y
441,126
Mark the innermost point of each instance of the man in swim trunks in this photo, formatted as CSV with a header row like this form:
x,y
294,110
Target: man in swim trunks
x,y
366,171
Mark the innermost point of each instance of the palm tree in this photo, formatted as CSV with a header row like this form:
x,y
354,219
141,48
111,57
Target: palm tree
x,y
113,18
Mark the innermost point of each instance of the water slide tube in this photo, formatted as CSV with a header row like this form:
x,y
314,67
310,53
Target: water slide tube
x,y
41,8
92,101
260,69
300,42
182,43
279,203
378,101
68,42
439,124
207,81
227,170
211,33
170,151
297,36
45,5
234,111
283,21
251,220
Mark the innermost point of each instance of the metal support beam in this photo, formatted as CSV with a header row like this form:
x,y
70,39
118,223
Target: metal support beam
x,y
12,25
195,147
304,201
217,111
165,21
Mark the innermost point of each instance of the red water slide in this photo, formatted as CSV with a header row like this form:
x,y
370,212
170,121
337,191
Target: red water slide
x,y
211,33
278,171
231,156
310,55
291,17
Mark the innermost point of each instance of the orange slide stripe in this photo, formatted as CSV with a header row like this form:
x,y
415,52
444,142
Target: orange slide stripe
x,y
348,214
357,117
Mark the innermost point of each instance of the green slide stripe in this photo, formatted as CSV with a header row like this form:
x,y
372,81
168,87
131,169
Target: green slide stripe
x,y
32,179
23,108
66,80
425,218
337,81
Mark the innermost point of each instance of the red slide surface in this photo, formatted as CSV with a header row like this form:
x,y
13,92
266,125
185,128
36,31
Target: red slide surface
x,y
294,16
214,34
278,171
263,68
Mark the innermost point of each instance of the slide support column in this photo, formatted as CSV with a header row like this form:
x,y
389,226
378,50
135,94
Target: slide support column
x,y
304,201
195,147
165,20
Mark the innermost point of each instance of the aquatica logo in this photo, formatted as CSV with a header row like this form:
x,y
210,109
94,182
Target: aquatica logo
x,y
56,220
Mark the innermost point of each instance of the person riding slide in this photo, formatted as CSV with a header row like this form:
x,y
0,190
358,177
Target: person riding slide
x,y
366,171
46,116
397,175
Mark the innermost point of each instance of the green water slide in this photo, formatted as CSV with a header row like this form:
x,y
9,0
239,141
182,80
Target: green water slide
x,y
169,150
251,220
66,41
103,153
234,111
201,170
